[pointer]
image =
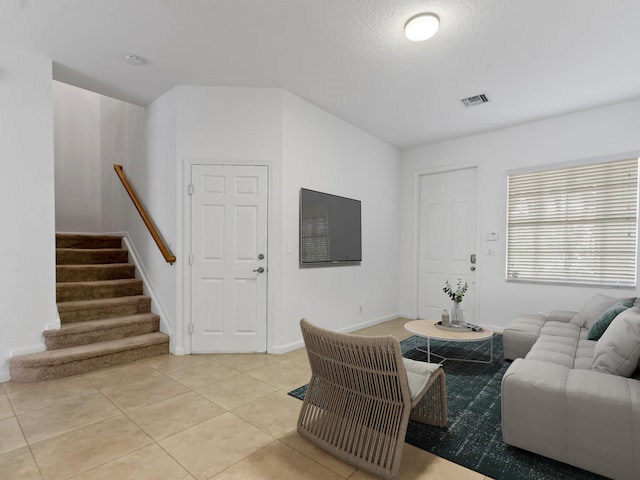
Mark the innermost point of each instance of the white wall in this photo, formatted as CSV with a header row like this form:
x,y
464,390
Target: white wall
x,y
303,147
603,132
27,243
232,126
153,177
307,147
322,152
220,124
76,121
122,141
91,133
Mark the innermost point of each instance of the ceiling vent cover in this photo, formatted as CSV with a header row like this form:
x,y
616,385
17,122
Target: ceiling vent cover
x,y
475,100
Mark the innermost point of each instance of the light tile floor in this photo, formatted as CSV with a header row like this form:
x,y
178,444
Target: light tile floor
x,y
180,417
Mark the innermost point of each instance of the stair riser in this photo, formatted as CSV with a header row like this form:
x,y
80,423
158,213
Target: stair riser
x,y
68,293
48,372
84,241
106,319
104,335
89,273
99,311
90,257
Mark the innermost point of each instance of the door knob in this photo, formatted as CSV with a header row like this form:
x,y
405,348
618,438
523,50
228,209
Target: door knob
x,y
259,270
472,268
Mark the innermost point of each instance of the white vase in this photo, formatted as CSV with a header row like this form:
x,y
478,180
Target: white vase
x,y
457,317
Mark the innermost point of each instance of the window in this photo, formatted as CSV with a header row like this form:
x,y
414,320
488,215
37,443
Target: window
x,y
574,225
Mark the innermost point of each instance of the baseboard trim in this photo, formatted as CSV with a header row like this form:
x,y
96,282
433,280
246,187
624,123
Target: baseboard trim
x,y
368,323
156,305
280,349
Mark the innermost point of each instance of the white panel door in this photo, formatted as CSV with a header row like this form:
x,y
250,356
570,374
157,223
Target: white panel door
x,y
229,248
447,239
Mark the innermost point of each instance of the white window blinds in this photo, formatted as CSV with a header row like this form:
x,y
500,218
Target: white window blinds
x,y
574,225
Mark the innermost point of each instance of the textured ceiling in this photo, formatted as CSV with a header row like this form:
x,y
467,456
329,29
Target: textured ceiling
x,y
533,58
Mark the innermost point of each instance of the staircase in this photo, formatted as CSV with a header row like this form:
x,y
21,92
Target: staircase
x,y
105,318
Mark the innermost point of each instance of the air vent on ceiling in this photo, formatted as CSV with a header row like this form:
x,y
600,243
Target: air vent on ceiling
x,y
475,100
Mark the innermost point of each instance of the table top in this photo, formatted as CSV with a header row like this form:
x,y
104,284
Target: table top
x,y
427,328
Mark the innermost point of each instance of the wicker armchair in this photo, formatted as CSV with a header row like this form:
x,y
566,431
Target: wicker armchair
x,y
361,396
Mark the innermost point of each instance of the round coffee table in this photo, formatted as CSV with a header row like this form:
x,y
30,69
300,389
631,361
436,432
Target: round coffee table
x,y
428,329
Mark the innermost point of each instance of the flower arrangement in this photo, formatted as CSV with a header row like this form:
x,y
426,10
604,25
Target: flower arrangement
x,y
455,295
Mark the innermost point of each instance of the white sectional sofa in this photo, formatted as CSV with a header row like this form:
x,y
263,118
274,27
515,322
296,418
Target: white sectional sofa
x,y
571,398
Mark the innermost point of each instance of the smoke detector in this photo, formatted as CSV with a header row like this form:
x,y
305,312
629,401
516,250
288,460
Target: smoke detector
x,y
132,59
475,100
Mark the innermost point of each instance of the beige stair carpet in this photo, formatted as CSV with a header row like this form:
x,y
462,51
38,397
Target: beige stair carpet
x,y
105,318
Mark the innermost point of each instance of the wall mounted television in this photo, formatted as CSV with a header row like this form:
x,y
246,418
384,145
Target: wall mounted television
x,y
330,230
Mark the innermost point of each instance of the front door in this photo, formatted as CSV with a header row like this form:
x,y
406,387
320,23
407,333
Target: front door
x,y
229,263
447,241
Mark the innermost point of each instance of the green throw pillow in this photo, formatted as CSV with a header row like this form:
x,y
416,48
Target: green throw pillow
x,y
601,324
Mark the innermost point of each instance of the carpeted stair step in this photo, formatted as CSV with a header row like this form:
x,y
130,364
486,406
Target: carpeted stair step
x,y
71,291
75,360
106,320
94,331
84,310
84,256
66,240
88,273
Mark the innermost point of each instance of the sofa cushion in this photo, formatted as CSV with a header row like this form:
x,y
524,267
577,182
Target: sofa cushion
x,y
418,374
595,307
618,350
520,335
560,329
571,350
601,324
554,349
584,355
563,316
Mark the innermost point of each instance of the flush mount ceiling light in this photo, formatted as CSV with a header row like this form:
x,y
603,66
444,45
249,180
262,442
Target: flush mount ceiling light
x,y
132,59
421,27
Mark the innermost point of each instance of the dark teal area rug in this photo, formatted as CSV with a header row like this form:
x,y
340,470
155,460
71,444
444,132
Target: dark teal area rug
x,y
473,437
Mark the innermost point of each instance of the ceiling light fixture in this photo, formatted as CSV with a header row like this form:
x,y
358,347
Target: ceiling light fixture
x,y
132,59
421,27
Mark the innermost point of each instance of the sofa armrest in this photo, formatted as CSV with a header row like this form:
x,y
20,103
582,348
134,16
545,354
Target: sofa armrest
x,y
561,316
582,417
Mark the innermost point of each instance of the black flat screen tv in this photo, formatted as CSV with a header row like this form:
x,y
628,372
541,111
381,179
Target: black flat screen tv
x,y
330,229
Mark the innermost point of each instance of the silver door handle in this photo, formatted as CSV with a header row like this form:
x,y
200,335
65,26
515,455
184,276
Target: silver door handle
x,y
472,268
259,270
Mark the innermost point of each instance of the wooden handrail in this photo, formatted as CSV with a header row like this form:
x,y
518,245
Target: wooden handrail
x,y
166,253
